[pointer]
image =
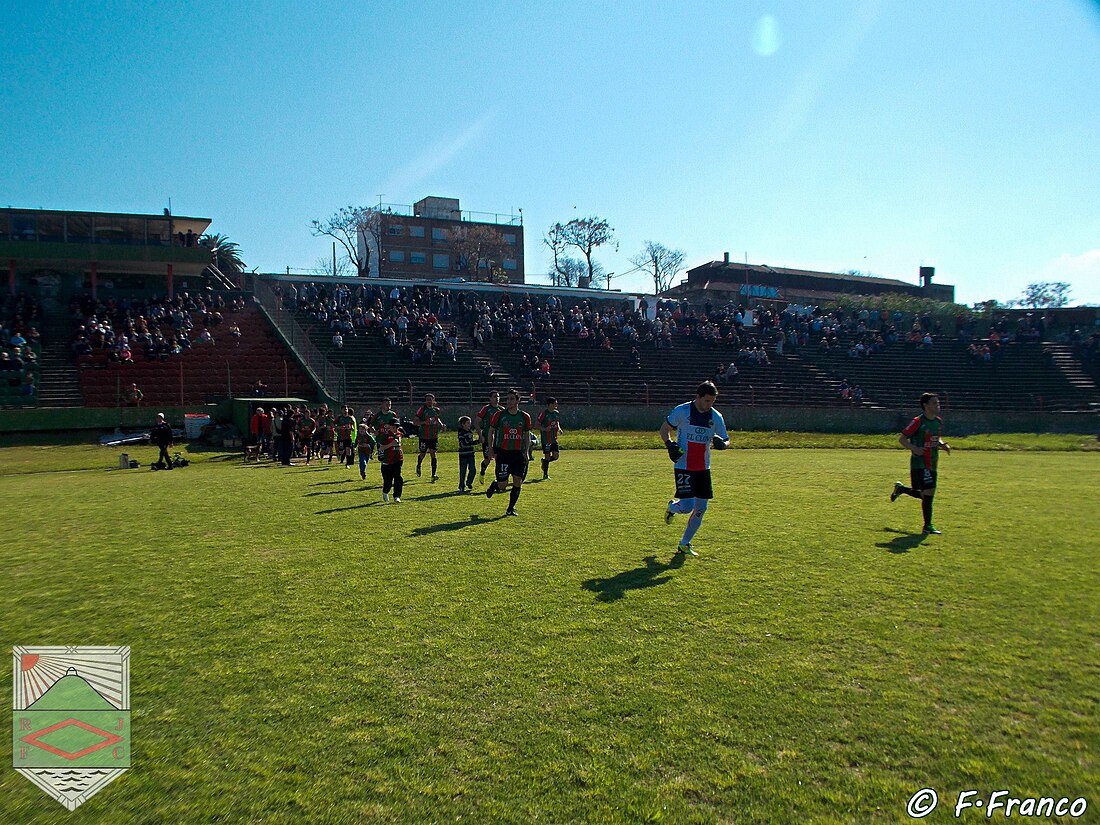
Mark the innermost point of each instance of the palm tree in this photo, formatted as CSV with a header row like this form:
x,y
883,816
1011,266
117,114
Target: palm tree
x,y
227,255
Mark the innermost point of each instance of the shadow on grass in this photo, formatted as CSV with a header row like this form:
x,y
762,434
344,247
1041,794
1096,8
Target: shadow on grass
x,y
352,507
648,575
326,483
342,492
448,494
453,525
903,542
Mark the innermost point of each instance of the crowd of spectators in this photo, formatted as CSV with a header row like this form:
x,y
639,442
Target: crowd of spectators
x,y
122,330
20,348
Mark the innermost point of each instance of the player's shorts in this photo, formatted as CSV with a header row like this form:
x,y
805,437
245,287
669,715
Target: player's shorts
x,y
511,463
343,445
550,447
428,444
922,479
693,484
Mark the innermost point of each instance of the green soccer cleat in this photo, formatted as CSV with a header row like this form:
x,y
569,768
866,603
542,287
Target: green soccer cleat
x,y
685,549
897,491
930,530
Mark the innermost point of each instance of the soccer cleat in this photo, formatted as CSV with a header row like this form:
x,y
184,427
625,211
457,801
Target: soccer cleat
x,y
363,476
931,530
668,512
490,490
385,498
897,491
685,549
418,471
396,500
435,478
510,512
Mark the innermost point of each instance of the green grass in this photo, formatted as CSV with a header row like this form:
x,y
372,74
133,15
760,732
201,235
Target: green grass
x,y
302,653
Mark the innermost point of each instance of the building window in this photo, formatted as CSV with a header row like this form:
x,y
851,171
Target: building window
x,y
439,234
509,263
397,256
416,231
395,229
510,239
417,258
441,261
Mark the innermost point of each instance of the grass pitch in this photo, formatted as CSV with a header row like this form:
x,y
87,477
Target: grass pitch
x,y
303,653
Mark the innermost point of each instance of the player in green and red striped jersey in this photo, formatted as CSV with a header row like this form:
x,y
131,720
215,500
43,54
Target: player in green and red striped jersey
x,y
390,458
430,424
511,435
550,423
921,437
386,416
485,417
307,426
345,436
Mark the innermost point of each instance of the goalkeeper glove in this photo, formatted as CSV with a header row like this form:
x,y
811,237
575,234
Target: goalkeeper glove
x,y
674,451
718,443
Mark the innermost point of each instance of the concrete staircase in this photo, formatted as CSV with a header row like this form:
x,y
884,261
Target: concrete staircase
x,y
59,379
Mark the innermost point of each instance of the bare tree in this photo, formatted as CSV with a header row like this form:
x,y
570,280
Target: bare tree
x,y
661,262
564,270
481,251
587,234
346,226
322,267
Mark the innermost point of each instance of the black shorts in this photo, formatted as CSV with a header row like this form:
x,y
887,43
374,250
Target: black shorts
x,y
511,463
693,484
922,479
429,444
550,447
343,445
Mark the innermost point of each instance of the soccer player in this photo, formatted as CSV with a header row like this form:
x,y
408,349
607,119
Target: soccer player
x,y
307,425
922,438
511,434
485,417
345,430
467,438
391,457
430,424
386,416
550,424
699,427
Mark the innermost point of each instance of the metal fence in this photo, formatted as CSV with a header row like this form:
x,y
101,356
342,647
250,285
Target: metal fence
x,y
330,376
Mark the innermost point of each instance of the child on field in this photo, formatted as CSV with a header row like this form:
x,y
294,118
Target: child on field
x,y
467,438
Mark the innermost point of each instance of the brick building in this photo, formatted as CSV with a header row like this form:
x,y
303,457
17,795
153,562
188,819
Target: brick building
x,y
435,240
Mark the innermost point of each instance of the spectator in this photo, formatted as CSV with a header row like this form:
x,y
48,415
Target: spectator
x,y
134,396
161,436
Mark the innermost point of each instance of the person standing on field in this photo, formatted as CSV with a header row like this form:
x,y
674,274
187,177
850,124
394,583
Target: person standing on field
x,y
699,428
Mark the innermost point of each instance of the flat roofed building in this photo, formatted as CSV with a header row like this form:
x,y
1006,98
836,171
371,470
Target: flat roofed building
x,y
69,251
752,283
434,240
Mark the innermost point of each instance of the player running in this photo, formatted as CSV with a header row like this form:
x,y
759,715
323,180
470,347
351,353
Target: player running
x,y
429,424
365,443
386,416
922,438
345,436
484,418
511,434
699,427
391,457
550,424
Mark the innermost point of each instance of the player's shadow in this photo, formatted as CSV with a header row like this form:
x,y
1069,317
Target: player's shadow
x,y
338,492
352,507
449,526
903,542
327,483
448,494
638,578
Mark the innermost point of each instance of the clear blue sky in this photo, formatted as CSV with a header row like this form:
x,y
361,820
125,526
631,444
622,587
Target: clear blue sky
x,y
866,135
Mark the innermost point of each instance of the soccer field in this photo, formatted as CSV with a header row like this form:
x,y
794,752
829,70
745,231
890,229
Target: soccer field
x,y
301,652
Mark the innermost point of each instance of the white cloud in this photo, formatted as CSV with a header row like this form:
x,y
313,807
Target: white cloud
x,y
435,158
1067,267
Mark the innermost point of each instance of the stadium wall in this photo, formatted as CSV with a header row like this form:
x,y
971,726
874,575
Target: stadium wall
x,y
67,419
